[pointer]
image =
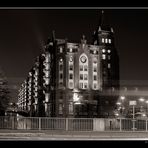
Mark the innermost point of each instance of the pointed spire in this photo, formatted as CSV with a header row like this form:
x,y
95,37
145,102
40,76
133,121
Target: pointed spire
x,y
112,30
83,40
53,36
101,18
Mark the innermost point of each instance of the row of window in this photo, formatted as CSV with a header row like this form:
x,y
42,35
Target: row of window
x,y
105,40
104,51
68,50
83,72
104,57
91,51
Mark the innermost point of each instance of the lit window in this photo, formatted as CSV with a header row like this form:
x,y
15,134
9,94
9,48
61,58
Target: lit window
x,y
109,41
70,49
85,68
108,51
61,60
71,76
103,56
103,50
85,77
95,42
81,76
95,51
109,66
102,40
106,40
61,49
71,59
95,77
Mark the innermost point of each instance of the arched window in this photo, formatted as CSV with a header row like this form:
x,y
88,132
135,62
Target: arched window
x,y
83,71
94,74
60,72
71,73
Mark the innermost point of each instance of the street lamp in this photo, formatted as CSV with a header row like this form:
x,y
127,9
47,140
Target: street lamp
x,y
146,107
142,101
122,98
122,105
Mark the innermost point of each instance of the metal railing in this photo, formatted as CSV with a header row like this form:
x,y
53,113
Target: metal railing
x,y
73,124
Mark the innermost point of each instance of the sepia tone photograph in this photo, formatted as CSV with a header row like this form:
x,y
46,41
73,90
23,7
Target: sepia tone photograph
x,y
73,74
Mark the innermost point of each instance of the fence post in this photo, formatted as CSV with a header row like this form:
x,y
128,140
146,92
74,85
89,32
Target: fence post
x,y
66,124
39,123
120,124
146,125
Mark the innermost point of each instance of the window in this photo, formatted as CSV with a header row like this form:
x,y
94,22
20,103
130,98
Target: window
x,y
81,85
85,68
95,85
70,67
81,67
102,40
95,51
95,42
61,67
103,50
61,76
108,57
81,76
61,60
85,85
109,66
61,49
61,83
109,41
71,76
70,49
109,51
103,56
70,84
95,77
71,59
70,108
85,77
95,68
60,109
106,40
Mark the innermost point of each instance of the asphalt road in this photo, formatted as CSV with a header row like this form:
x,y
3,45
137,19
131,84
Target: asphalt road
x,y
15,135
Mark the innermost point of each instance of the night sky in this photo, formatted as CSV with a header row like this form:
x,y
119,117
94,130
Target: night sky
x,y
24,32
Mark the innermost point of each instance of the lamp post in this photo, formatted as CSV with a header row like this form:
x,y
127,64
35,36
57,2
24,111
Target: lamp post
x,y
141,105
146,107
122,105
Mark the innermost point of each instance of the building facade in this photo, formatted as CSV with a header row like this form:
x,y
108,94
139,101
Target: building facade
x,y
70,79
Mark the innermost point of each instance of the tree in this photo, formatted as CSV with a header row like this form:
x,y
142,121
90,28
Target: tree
x,y
4,94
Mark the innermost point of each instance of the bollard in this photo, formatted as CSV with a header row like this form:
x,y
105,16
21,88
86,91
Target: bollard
x,y
120,124
66,124
39,123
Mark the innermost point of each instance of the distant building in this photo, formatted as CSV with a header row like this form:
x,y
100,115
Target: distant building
x,y
72,79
